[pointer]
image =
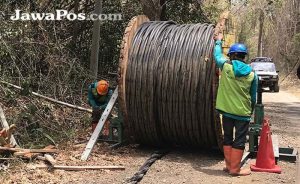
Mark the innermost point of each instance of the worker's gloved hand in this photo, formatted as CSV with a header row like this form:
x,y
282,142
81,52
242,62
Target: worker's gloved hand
x,y
97,109
219,36
102,107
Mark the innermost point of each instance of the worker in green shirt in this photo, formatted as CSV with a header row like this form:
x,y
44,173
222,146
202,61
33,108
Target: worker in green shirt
x,y
235,101
99,95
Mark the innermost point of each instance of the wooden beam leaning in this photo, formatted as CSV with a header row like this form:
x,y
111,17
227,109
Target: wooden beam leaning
x,y
90,145
5,125
50,99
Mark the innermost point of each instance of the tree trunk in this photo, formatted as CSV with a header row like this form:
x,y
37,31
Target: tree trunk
x,y
154,9
95,42
75,24
260,38
163,14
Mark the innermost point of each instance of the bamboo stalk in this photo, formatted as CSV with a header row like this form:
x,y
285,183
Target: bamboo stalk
x,y
50,99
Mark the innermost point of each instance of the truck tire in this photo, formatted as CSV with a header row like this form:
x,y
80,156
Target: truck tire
x,y
276,87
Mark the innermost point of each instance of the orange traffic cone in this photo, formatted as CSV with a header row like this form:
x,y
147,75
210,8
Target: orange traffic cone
x,y
265,161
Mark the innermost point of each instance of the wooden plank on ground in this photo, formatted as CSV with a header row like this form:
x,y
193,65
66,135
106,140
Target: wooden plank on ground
x,y
29,150
81,168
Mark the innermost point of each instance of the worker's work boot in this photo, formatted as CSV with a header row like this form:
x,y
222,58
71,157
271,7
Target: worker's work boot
x,y
227,155
235,164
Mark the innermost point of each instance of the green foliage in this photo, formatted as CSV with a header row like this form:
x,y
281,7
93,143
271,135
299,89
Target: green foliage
x,y
185,12
40,124
213,12
280,32
10,97
112,33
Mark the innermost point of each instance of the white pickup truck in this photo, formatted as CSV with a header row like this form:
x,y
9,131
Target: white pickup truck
x,y
266,71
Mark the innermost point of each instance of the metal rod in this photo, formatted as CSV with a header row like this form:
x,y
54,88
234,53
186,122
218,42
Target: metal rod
x,y
90,145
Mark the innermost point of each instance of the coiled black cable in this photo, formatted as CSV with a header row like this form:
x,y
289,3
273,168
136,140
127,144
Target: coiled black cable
x,y
169,85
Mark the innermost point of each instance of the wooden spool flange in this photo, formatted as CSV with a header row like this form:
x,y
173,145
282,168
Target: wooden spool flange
x,y
130,31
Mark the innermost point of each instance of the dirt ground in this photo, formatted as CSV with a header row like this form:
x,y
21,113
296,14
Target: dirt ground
x,y
179,166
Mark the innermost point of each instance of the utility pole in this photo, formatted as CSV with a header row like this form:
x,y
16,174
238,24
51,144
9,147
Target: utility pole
x,y
163,16
260,34
95,41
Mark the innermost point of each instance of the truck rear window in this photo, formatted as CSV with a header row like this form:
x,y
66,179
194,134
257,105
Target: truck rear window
x,y
266,67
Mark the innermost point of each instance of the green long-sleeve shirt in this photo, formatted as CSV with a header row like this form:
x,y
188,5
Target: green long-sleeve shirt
x,y
240,70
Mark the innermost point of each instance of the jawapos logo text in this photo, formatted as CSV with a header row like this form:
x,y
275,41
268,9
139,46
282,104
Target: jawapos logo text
x,y
64,14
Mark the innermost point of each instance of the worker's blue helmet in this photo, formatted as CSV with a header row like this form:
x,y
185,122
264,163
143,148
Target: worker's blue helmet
x,y
238,48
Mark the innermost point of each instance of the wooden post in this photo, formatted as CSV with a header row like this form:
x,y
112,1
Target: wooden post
x,y
95,41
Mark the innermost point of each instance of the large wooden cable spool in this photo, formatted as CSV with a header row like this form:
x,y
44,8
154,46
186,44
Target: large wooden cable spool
x,y
162,125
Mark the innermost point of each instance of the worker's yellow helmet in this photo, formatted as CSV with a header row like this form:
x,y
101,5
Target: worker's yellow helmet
x,y
102,87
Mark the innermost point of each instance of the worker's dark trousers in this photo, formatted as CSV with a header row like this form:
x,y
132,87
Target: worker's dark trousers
x,y
241,129
96,115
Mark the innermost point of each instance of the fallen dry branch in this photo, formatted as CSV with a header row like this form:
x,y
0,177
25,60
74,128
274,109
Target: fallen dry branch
x,y
8,158
81,168
24,151
31,155
50,99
